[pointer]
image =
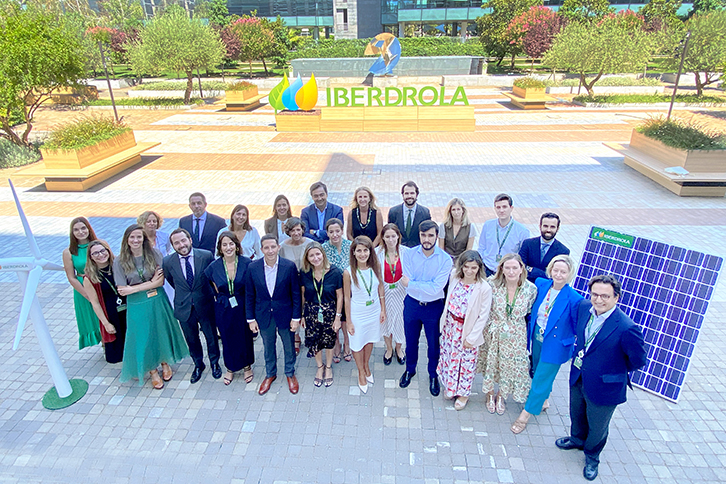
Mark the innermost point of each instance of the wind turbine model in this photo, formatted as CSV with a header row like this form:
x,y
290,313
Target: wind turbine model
x,y
29,270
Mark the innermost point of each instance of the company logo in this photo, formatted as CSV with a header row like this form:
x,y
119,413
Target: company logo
x,y
612,237
389,48
296,96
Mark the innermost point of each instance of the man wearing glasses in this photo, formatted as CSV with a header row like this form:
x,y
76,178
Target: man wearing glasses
x,y
609,346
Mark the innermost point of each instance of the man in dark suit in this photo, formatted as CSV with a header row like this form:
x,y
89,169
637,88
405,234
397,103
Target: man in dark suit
x,y
609,346
316,215
203,225
273,306
409,215
537,252
193,300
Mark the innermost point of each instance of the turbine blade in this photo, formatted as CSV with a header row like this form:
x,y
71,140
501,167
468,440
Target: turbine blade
x,y
28,233
28,297
50,266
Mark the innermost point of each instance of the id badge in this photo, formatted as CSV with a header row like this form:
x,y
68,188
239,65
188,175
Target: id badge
x,y
577,362
539,337
499,257
320,316
233,302
151,293
392,285
120,305
369,303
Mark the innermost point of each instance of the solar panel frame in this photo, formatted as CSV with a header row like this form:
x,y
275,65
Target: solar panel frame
x,y
666,290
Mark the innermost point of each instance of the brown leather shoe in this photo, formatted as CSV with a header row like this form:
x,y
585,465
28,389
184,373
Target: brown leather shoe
x,y
265,385
292,383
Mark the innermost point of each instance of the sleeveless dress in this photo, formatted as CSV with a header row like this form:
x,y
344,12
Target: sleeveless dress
x,y
395,294
89,329
365,318
370,229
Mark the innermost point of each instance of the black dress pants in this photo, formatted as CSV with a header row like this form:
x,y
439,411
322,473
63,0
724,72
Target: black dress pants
x,y
191,328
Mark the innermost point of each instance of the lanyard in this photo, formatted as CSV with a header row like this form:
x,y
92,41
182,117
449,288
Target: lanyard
x,y
140,272
392,266
113,287
319,291
510,306
501,244
594,334
230,281
548,306
368,286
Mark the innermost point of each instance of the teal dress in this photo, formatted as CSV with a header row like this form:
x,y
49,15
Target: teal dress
x,y
89,328
153,335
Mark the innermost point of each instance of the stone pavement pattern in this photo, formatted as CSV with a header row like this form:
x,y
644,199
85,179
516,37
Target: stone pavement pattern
x,y
122,433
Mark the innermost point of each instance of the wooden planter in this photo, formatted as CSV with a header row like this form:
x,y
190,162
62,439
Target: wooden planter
x,y
697,161
238,97
76,159
298,121
529,93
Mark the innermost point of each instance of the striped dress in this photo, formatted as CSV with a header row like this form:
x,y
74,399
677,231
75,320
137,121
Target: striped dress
x,y
395,293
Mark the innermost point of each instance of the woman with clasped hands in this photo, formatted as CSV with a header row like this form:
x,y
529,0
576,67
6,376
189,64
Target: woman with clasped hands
x,y
551,333
468,302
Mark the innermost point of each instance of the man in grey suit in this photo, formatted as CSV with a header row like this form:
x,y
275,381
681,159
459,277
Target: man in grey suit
x,y
193,299
409,215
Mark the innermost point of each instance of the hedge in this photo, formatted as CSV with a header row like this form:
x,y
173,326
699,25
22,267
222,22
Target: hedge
x,y
410,47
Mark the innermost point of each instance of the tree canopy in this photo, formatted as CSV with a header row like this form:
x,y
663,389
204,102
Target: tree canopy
x,y
493,25
585,10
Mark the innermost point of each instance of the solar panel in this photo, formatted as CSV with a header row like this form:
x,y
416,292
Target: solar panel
x,y
665,290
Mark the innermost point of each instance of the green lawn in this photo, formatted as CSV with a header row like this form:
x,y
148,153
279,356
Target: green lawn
x,y
237,70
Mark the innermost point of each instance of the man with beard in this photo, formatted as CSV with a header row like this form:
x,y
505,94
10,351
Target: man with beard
x,y
537,252
500,236
426,269
193,300
409,215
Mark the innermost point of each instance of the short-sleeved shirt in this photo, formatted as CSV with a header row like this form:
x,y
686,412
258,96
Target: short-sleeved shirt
x,y
123,278
332,281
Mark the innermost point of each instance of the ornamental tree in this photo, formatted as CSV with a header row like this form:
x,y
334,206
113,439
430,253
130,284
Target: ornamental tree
x,y
585,10
41,53
605,47
664,12
700,6
256,40
534,30
174,42
493,26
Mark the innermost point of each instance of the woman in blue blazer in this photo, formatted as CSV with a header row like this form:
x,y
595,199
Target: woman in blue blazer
x,y
551,334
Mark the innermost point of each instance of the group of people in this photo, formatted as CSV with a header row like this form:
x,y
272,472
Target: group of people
x,y
505,310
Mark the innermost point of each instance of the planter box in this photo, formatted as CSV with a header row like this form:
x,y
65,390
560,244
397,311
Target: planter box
x,y
446,118
348,119
174,94
698,161
608,90
238,97
298,121
76,159
529,93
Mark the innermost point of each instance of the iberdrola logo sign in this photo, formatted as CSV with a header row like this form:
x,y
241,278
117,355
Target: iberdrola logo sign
x,y
296,96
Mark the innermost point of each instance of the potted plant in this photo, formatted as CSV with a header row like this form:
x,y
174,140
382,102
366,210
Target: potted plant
x,y
238,92
85,141
528,88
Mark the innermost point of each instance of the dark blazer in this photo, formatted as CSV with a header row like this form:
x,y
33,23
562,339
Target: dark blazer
x,y
395,216
559,336
271,227
309,216
617,350
200,295
208,240
284,305
531,256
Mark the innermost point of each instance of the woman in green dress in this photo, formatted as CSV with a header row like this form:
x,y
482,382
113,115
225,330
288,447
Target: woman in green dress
x,y
74,263
153,335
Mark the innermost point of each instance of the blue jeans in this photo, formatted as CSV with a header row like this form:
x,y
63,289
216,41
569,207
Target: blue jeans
x,y
269,342
416,315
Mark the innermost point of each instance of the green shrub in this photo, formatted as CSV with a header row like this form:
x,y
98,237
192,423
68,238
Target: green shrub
x,y
12,155
240,86
610,81
142,101
649,99
529,83
410,47
84,132
677,134
180,86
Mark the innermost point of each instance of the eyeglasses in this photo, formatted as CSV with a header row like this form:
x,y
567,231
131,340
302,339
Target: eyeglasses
x,y
604,297
98,252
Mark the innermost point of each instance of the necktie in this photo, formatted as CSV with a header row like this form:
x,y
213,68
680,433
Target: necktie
x,y
408,223
189,271
543,251
196,230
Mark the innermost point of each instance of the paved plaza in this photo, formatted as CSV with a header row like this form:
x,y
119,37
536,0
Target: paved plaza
x,y
208,432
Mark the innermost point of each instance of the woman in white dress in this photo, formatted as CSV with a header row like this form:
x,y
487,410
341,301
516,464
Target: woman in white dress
x,y
389,256
249,237
365,305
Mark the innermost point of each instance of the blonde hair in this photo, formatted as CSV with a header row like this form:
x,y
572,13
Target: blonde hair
x,y
567,260
126,258
141,219
371,204
449,220
499,277
306,265
92,268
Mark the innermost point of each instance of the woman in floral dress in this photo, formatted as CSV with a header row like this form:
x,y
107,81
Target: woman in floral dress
x,y
467,306
503,358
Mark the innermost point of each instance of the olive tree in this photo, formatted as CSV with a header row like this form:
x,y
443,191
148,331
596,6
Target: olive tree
x,y
706,54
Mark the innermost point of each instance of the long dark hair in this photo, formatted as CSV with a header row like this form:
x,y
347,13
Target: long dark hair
x,y
395,228
372,261
73,247
274,205
126,258
92,268
246,227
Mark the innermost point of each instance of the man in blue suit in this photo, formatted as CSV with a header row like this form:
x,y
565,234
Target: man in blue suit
x,y
609,346
273,306
315,216
537,252
202,225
